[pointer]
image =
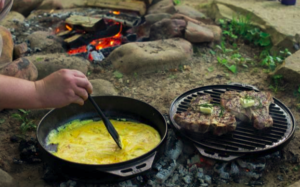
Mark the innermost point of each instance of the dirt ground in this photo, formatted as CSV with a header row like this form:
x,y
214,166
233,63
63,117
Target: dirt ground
x,y
159,89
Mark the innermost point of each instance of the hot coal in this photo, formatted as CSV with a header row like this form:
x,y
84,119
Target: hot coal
x,y
29,151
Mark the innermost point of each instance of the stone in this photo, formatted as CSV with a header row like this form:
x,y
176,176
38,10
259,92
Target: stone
x,y
5,179
163,6
189,11
217,31
46,42
12,20
20,68
167,28
197,33
152,56
267,15
50,5
103,87
296,184
25,6
290,69
8,45
186,18
153,18
47,64
20,50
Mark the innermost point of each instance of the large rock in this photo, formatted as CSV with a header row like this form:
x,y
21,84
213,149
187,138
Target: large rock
x,y
50,4
189,11
47,64
167,28
20,50
5,179
186,18
20,68
152,56
25,6
163,6
103,87
12,20
265,14
8,46
153,18
46,42
198,34
217,31
290,69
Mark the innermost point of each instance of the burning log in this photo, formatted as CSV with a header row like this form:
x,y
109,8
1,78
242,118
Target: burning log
x,y
86,23
131,5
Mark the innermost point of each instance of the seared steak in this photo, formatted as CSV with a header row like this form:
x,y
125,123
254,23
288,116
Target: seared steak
x,y
219,120
257,113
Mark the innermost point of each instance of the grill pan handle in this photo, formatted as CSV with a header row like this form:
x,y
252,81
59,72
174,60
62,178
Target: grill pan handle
x,y
216,155
245,85
136,169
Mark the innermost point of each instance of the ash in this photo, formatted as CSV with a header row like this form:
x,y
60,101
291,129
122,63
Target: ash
x,y
182,165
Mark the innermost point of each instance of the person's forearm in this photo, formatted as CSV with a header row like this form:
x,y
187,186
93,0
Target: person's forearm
x,y
18,93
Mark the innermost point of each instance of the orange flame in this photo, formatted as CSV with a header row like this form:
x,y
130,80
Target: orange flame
x,y
100,43
116,12
69,27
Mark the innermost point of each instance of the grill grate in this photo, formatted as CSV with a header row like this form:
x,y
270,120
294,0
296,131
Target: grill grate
x,y
245,139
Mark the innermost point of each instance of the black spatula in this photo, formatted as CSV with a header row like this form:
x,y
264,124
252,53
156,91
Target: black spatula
x,y
110,128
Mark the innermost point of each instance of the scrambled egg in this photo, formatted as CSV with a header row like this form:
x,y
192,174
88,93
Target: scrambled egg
x,y
89,142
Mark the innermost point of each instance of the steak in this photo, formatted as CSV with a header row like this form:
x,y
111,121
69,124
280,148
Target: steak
x,y
219,121
258,113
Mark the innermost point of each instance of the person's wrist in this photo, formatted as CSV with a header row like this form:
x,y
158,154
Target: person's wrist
x,y
40,94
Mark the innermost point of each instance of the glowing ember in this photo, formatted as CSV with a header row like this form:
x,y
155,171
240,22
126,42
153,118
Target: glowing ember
x,y
68,27
100,43
116,12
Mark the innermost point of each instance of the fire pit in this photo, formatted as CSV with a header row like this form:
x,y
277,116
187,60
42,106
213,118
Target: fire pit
x,y
96,36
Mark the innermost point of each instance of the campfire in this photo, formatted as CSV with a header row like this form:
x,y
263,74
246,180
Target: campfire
x,y
95,37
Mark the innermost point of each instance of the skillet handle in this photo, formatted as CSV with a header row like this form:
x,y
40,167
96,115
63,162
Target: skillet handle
x,y
216,155
136,169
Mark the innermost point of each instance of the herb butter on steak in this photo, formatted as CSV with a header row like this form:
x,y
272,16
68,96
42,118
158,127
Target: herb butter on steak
x,y
257,110
214,118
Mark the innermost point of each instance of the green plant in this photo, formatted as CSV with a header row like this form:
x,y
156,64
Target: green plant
x,y
118,74
275,87
26,123
223,48
177,2
210,69
273,61
224,62
2,121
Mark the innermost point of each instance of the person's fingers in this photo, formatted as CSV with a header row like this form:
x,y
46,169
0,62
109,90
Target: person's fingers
x,y
2,3
78,74
78,100
81,92
84,83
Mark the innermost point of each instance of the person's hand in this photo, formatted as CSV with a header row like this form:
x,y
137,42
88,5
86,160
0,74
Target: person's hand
x,y
2,3
62,88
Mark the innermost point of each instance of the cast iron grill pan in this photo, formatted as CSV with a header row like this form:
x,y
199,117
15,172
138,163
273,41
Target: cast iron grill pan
x,y
245,139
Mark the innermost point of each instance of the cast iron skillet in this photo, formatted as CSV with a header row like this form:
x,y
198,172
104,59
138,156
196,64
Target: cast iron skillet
x,y
113,107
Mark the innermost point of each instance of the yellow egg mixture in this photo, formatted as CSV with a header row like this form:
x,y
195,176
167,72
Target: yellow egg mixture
x,y
89,142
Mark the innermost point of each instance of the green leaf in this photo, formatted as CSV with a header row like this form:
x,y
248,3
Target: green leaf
x,y
264,35
2,121
232,68
118,74
38,59
212,52
17,116
210,69
23,111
